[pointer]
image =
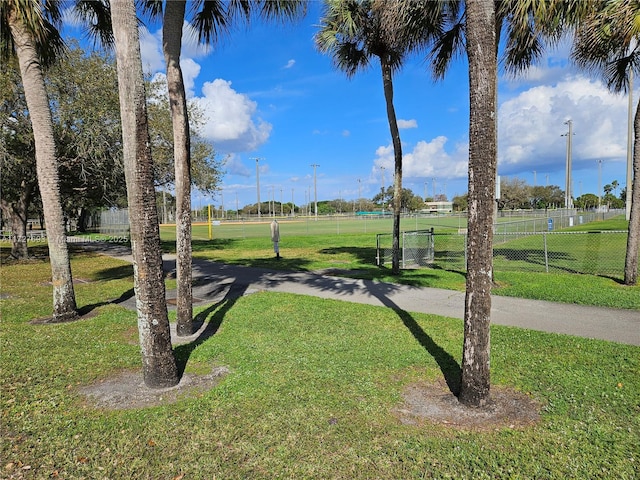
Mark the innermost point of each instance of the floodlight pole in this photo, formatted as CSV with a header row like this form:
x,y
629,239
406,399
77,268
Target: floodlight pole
x,y
258,183
568,200
599,161
315,189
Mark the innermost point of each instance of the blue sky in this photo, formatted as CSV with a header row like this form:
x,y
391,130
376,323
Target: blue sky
x,y
269,94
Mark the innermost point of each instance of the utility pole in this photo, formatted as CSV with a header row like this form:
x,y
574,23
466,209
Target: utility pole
x,y
599,162
315,190
382,188
258,183
568,198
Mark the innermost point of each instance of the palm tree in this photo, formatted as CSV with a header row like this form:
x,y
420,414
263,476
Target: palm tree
x,y
212,19
28,31
159,364
475,26
172,44
607,42
481,48
352,32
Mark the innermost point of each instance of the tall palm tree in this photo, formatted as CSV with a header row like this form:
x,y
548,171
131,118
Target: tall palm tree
x,y
173,21
607,41
159,364
28,30
481,48
212,19
528,24
352,32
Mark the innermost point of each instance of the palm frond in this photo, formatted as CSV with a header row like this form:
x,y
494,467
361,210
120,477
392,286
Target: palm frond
x,y
210,20
96,17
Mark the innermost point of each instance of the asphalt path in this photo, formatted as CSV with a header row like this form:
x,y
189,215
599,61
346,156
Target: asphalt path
x,y
215,281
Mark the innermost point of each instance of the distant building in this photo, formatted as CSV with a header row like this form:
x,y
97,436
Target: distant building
x,y
437,207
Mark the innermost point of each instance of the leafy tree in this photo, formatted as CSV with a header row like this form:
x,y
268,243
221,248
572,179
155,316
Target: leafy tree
x,y
18,182
84,98
460,203
514,194
587,201
606,42
159,364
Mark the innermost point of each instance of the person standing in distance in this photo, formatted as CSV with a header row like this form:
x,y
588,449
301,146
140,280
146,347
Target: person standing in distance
x,y
275,237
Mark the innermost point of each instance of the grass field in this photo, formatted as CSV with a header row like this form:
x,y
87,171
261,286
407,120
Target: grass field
x,y
519,263
311,392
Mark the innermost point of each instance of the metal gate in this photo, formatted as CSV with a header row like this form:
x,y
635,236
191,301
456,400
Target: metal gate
x,y
416,248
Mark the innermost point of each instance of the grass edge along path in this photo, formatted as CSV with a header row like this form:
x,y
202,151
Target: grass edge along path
x,y
310,393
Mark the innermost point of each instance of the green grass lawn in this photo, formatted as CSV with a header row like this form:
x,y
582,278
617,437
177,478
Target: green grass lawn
x,y
353,255
310,393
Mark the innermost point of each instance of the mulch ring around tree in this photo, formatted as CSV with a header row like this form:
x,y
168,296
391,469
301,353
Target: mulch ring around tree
x,y
434,402
127,390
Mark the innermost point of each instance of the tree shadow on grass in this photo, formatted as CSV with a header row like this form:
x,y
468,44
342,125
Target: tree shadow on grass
x,y
211,318
449,367
87,309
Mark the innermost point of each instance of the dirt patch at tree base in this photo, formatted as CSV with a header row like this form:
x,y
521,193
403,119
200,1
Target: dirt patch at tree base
x,y
507,408
128,391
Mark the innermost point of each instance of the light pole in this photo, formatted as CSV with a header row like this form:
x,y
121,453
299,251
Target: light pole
x,y
293,205
599,162
433,188
568,199
359,194
382,188
315,190
281,204
534,178
237,208
258,183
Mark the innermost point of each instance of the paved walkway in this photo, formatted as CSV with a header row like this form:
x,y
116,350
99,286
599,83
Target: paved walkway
x,y
213,281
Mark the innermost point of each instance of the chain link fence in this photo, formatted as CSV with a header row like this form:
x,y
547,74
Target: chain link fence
x,y
595,253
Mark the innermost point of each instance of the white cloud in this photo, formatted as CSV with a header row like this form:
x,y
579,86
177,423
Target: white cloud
x,y
151,51
531,124
346,133
290,64
190,71
427,159
230,123
234,166
402,124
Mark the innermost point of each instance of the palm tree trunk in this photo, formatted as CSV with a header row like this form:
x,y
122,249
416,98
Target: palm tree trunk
x,y
475,382
172,44
633,238
387,81
159,364
64,300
